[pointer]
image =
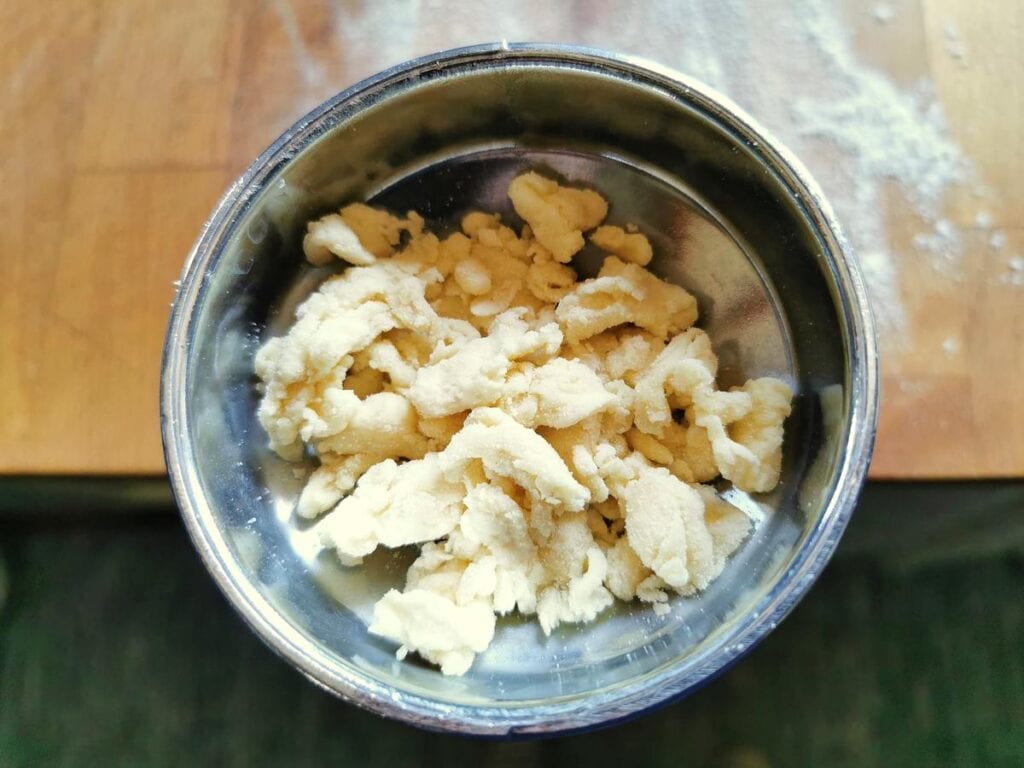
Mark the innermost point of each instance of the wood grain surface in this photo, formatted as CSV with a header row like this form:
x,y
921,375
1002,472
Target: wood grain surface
x,y
122,122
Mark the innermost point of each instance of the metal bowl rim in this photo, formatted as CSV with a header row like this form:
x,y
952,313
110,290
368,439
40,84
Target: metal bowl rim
x,y
627,699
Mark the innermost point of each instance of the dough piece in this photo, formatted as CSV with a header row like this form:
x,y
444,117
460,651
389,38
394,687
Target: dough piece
x,y
440,631
473,277
378,231
728,526
550,281
394,505
439,431
336,476
489,273
436,570
330,236
685,365
665,527
625,570
746,431
632,247
693,460
581,600
474,375
557,215
558,394
362,380
494,526
651,448
304,371
304,375
594,457
384,423
507,449
625,293
625,352
487,229
384,357
628,578
577,568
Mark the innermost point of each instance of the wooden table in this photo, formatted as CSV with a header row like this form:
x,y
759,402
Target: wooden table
x,y
122,122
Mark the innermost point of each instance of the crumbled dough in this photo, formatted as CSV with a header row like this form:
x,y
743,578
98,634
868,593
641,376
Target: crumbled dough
x,y
624,353
632,247
542,439
383,423
652,449
558,394
548,280
557,215
746,434
336,476
727,525
439,431
436,628
665,527
473,277
494,525
331,236
625,293
377,230
685,365
303,372
394,505
505,448
475,374
693,460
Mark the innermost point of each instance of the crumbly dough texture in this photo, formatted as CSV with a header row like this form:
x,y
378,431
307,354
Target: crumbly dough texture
x,y
542,438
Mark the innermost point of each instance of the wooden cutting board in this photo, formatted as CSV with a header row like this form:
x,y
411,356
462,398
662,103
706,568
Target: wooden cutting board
x,y
123,121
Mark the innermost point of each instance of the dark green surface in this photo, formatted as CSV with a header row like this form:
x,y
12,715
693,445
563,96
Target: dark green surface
x,y
36,496
116,649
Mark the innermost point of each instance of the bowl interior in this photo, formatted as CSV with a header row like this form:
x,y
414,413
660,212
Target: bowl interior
x,y
446,140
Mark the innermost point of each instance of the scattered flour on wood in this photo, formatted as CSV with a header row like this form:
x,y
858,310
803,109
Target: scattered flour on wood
x,y
876,146
873,145
954,43
883,13
884,135
1015,273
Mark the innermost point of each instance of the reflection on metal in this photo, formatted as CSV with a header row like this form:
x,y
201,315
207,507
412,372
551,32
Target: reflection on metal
x,y
820,475
738,220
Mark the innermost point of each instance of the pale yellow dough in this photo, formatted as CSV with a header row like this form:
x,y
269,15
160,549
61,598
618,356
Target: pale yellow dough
x,y
542,439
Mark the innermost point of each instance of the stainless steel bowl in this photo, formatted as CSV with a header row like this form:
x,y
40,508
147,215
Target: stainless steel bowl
x,y
736,219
